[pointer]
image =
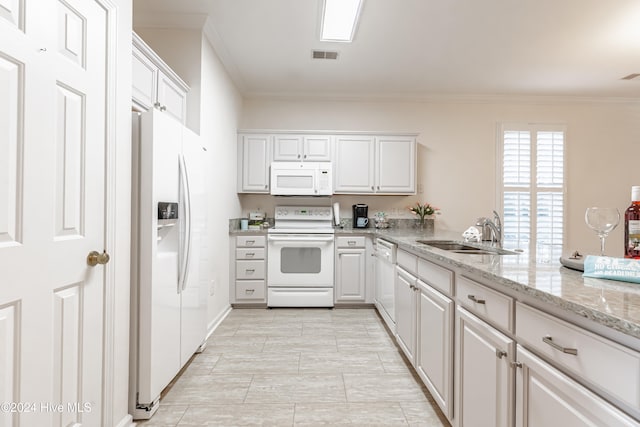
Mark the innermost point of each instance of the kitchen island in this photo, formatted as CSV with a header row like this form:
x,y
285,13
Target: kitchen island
x,y
505,339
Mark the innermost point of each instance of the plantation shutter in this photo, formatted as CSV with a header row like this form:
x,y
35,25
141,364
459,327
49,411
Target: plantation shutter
x,y
533,188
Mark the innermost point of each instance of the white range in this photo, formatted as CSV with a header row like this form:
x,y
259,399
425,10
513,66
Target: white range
x,y
301,258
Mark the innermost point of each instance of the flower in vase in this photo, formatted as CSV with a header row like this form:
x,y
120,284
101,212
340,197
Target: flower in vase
x,y
424,210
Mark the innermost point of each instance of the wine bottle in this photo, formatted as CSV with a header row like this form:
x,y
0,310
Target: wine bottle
x,y
632,225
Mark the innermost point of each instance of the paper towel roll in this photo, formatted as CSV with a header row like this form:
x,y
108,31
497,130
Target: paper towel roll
x,y
336,213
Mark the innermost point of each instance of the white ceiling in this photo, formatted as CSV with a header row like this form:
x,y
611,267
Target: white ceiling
x,y
425,48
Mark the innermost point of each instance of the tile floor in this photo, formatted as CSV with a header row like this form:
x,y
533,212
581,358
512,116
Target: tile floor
x,y
298,367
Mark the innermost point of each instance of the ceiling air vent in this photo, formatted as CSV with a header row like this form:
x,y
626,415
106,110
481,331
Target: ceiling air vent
x,y
324,54
631,76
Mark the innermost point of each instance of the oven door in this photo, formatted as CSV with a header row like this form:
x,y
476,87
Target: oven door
x,y
300,260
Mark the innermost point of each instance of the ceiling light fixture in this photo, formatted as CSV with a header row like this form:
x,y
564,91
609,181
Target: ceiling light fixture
x,y
339,20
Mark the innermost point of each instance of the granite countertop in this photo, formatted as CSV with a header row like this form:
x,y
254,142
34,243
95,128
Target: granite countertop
x,y
613,304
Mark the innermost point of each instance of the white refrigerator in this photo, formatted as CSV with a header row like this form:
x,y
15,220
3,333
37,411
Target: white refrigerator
x,y
169,263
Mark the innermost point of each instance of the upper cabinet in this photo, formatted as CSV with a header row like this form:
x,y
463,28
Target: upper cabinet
x,y
354,170
254,159
155,84
363,163
305,148
375,164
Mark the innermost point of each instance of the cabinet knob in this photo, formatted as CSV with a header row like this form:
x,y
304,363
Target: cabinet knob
x,y
157,105
516,364
500,353
298,155
163,108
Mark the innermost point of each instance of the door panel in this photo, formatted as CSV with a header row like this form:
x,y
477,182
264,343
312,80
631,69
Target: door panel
x,y
13,12
11,145
52,180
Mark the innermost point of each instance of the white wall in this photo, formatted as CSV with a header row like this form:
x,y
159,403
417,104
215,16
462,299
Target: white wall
x,y
221,107
218,107
457,151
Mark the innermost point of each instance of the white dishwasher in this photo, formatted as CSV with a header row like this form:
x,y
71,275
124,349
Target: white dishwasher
x,y
385,277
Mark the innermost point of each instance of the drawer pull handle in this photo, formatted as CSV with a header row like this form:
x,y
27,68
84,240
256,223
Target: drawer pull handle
x,y
250,270
251,254
476,300
249,291
351,243
250,242
500,353
549,340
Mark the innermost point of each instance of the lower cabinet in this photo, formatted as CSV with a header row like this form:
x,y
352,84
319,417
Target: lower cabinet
x,y
547,397
248,272
484,375
434,352
351,269
405,306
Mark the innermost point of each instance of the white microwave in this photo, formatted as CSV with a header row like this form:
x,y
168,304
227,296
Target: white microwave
x,y
301,179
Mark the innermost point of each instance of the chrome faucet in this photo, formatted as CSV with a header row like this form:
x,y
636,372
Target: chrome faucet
x,y
496,228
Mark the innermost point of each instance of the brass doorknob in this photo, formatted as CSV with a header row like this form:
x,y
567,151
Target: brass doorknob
x,y
94,258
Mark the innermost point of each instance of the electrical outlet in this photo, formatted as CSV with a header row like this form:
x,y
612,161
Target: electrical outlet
x,y
420,189
212,287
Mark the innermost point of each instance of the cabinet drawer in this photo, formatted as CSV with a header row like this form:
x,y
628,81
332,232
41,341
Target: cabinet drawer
x,y
598,360
249,269
436,276
487,303
250,253
250,241
350,242
407,261
250,290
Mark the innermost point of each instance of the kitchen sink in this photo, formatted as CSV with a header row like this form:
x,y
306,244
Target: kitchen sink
x,y
461,248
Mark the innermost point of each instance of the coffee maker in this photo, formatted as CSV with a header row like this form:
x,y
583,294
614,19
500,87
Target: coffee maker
x,y
360,216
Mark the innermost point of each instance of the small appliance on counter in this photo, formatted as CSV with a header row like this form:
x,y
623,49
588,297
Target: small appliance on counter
x,y
256,220
360,216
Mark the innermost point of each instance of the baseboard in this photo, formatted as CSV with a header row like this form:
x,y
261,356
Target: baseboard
x,y
127,421
216,322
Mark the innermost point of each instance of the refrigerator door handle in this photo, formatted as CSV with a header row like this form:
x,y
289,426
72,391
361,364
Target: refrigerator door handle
x,y
185,240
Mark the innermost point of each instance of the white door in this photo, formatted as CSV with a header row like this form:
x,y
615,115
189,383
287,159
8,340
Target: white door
x,y
395,164
354,165
485,376
255,159
52,210
546,397
434,360
405,306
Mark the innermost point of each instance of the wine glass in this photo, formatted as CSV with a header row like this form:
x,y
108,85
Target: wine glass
x,y
602,221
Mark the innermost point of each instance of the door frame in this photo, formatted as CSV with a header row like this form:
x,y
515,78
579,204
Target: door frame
x,y
110,234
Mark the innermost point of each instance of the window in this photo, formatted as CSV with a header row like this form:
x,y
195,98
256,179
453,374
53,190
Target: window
x,y
532,188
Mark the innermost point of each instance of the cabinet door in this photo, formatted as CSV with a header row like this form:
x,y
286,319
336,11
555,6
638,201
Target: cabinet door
x,y
350,275
546,397
287,148
171,98
144,77
254,169
316,148
354,164
396,165
485,376
434,354
406,312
